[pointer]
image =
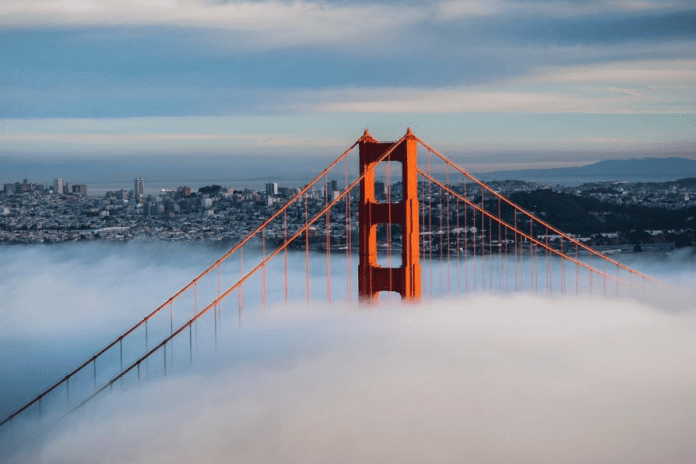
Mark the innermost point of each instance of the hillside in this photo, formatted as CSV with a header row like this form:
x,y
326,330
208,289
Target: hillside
x,y
634,170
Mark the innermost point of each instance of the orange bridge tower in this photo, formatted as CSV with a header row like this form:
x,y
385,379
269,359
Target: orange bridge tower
x,y
373,278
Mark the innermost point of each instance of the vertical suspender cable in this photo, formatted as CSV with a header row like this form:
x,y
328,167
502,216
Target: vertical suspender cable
x,y
306,249
240,292
387,168
483,244
430,223
448,231
466,240
490,254
328,246
442,251
263,272
349,239
500,250
285,255
456,210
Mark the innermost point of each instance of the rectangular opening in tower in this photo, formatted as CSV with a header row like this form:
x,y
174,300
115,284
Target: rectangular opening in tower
x,y
388,178
389,245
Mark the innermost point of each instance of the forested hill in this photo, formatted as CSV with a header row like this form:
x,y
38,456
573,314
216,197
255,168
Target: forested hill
x,y
587,216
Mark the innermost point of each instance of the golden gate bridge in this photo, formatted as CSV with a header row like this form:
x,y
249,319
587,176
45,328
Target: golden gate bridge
x,y
445,218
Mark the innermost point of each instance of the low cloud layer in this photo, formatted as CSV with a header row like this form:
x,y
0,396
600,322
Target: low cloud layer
x,y
481,378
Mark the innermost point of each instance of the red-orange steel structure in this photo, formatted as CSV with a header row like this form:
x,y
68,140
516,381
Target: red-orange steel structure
x,y
373,278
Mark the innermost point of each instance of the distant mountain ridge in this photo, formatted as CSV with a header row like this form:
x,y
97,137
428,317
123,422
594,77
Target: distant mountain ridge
x,y
633,169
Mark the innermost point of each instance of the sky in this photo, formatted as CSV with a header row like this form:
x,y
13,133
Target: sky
x,y
558,82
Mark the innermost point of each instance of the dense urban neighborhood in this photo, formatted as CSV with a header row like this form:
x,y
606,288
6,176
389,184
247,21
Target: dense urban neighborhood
x,y
598,213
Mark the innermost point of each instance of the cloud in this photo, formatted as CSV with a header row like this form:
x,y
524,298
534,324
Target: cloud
x,y
494,379
141,141
86,285
286,24
645,88
459,9
424,100
339,383
103,137
461,100
263,23
680,73
649,5
315,18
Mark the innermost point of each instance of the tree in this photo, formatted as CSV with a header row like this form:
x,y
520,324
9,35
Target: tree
x,y
638,236
210,190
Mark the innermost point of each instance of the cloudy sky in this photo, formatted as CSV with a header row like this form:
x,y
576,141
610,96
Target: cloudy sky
x,y
153,77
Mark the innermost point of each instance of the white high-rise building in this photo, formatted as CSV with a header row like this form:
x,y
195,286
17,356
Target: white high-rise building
x,y
139,188
58,185
272,188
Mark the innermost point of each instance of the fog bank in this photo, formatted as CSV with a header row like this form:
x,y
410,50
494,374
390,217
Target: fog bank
x,y
481,378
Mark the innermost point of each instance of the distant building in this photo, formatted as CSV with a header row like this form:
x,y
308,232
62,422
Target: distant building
x,y
58,185
67,188
272,188
139,189
80,189
169,205
380,190
20,188
333,186
9,188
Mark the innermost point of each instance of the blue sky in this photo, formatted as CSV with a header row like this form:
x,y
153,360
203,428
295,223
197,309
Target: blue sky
x,y
526,82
